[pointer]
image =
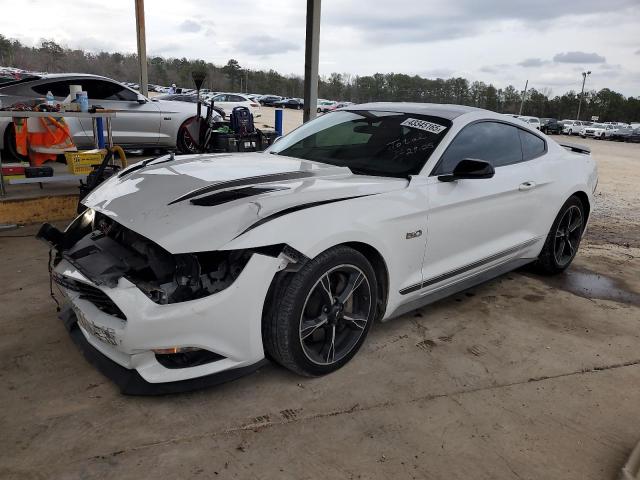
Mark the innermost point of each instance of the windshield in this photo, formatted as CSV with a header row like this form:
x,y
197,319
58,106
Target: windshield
x,y
368,142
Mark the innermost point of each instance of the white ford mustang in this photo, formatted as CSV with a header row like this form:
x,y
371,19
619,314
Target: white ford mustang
x,y
190,271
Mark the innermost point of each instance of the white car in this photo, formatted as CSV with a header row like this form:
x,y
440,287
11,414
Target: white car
x,y
326,106
599,131
192,270
534,122
572,127
228,101
147,123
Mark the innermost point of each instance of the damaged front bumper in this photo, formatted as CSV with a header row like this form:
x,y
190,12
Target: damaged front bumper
x,y
203,327
228,324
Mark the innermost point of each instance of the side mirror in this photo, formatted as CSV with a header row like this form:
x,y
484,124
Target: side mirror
x,y
469,168
141,99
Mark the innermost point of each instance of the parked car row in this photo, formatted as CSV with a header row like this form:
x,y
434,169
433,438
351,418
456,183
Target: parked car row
x,y
602,131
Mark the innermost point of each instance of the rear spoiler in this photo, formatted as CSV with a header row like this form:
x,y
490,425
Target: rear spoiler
x,y
576,148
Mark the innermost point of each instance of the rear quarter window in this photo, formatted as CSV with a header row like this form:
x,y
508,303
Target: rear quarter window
x,y
532,145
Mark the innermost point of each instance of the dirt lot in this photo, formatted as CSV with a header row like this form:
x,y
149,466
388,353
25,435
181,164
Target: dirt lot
x,y
524,377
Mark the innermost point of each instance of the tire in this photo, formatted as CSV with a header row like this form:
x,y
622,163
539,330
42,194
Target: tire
x,y
312,332
563,240
10,145
184,143
319,111
570,132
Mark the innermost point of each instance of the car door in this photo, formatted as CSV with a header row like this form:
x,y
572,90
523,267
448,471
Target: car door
x,y
474,224
139,126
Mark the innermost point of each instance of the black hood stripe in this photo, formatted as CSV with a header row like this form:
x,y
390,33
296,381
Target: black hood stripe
x,y
297,208
272,177
226,196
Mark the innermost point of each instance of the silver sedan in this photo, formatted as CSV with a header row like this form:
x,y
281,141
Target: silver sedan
x,y
149,123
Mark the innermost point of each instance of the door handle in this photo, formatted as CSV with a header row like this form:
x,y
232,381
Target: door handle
x,y
527,186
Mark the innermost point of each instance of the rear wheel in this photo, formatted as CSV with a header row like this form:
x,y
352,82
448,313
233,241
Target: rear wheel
x,y
563,240
321,316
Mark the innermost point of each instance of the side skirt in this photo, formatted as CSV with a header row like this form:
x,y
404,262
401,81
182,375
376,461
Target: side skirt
x,y
459,286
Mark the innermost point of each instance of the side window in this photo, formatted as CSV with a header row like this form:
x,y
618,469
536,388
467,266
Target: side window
x,y
102,90
220,98
496,143
532,145
235,98
58,89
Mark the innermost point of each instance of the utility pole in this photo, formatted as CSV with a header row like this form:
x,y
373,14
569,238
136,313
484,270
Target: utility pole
x,y
524,95
584,79
142,48
311,60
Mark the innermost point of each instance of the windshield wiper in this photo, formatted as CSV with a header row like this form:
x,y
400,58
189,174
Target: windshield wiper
x,y
144,163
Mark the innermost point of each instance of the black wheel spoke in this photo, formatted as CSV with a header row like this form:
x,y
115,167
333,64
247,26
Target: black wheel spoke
x,y
325,282
355,280
356,322
575,225
331,350
310,326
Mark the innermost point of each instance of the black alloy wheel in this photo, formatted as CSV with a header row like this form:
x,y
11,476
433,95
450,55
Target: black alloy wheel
x,y
317,318
567,236
563,240
335,314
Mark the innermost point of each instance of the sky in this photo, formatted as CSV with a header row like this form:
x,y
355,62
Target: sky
x,y
548,42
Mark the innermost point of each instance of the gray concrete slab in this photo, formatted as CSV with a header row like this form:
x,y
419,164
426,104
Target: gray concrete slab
x,y
524,377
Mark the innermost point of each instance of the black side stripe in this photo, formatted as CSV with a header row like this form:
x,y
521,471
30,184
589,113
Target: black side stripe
x,y
297,208
461,270
272,177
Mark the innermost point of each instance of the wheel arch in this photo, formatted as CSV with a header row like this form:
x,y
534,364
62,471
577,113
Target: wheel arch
x,y
584,198
281,279
380,268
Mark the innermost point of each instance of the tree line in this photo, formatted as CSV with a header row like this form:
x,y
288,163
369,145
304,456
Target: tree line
x,y
51,57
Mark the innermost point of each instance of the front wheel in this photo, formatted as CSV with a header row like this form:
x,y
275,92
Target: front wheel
x,y
320,316
563,239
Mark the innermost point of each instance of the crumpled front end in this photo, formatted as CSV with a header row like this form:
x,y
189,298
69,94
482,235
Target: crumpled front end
x,y
159,316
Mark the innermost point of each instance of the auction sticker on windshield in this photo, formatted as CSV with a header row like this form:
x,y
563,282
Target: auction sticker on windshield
x,y
423,125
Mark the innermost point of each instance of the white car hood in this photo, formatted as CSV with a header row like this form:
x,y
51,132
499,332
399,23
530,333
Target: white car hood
x,y
156,201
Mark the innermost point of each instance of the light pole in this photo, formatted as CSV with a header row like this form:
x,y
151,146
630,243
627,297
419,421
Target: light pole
x,y
524,94
584,79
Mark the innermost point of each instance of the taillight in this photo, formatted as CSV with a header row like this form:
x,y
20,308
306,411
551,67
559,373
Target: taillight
x,y
255,104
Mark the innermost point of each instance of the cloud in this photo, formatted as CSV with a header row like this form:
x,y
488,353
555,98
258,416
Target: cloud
x,y
533,62
425,21
500,68
263,45
578,57
190,26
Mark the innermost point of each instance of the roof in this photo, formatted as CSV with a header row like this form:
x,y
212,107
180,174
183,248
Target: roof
x,y
63,75
443,110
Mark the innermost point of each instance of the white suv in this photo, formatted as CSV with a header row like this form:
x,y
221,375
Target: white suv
x,y
572,127
534,122
598,130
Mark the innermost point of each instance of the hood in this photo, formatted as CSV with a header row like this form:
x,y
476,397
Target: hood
x,y
201,202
